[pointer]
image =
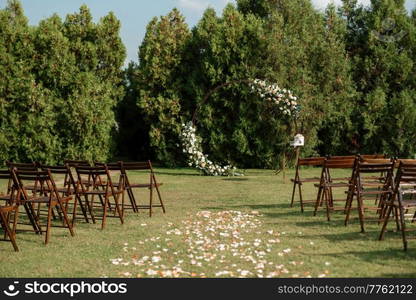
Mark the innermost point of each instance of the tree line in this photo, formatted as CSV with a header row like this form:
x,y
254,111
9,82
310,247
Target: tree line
x,y
65,92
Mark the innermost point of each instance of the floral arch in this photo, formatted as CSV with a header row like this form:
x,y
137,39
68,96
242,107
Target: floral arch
x,y
282,102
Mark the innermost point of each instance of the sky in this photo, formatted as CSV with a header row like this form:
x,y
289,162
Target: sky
x,y
136,14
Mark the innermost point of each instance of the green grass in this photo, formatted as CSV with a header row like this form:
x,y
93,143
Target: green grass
x,y
317,247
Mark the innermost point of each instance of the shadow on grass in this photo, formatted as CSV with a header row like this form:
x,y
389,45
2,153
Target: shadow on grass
x,y
248,206
235,179
177,174
401,275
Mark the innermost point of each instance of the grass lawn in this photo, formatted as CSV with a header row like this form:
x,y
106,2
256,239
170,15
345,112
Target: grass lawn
x,y
215,227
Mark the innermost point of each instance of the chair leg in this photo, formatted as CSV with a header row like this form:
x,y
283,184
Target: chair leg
x,y
160,199
106,200
360,211
302,207
74,212
397,218
48,225
66,220
8,231
90,209
32,218
16,215
120,213
318,200
348,205
151,200
327,204
403,228
386,220
293,194
83,210
122,203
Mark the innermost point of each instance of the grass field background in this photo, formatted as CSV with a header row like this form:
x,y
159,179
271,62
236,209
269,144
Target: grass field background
x,y
215,227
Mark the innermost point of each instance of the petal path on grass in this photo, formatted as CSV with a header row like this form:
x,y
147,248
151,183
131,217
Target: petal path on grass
x,y
210,244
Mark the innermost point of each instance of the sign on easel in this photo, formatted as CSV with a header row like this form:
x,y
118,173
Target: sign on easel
x,y
298,141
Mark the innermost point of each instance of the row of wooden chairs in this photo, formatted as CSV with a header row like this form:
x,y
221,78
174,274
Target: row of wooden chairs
x,y
372,183
35,187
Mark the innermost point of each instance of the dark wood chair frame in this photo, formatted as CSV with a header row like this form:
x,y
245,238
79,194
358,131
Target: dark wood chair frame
x,y
328,183
153,184
68,189
95,186
372,179
404,183
44,193
298,181
10,207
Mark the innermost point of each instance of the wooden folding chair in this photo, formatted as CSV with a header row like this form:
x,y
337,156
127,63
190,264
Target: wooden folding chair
x,y
12,197
372,181
328,183
298,181
114,168
153,184
67,188
10,233
44,193
10,208
90,184
401,200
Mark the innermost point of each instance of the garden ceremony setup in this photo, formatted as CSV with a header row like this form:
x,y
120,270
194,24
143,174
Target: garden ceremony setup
x,y
263,139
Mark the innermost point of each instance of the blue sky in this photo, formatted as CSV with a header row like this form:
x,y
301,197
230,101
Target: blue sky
x,y
135,14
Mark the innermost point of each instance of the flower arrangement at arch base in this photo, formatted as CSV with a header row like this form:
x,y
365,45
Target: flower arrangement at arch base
x,y
191,144
281,101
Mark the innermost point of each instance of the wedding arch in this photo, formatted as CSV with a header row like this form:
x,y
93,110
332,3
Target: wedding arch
x,y
282,101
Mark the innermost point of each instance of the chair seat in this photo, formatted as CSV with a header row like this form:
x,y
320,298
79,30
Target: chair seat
x,y
8,208
97,192
337,184
408,203
144,185
5,197
66,190
45,199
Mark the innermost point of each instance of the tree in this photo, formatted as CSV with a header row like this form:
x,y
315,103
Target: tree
x,y
381,42
25,125
227,51
60,84
306,53
159,82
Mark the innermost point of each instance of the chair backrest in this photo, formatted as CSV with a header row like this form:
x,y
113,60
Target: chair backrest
x,y
145,165
311,161
61,170
376,167
11,186
342,156
372,156
406,174
91,170
94,180
5,174
112,166
33,166
376,160
340,163
74,163
55,169
40,179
